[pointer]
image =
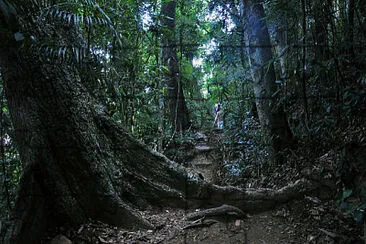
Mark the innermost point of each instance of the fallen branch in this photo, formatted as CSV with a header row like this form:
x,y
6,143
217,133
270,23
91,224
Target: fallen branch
x,y
202,222
218,211
328,233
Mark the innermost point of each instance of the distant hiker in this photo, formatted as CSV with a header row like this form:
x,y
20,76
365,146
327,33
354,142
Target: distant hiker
x,y
218,116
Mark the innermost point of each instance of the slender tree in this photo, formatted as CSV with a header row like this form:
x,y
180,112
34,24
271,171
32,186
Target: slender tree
x,y
177,106
350,32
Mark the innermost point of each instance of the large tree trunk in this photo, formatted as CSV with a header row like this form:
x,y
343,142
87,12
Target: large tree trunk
x,y
271,115
177,106
79,164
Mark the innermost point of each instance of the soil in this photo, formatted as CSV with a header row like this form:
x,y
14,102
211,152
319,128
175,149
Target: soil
x,y
298,222
307,220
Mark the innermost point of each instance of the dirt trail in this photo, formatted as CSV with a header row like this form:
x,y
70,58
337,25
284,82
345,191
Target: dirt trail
x,y
259,228
263,228
204,161
207,155
300,221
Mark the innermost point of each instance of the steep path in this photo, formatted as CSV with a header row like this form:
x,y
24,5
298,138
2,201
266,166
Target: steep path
x,y
205,162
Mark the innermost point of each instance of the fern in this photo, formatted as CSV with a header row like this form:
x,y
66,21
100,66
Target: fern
x,y
68,54
77,17
38,16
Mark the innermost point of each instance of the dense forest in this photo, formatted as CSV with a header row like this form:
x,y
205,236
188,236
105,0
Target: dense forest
x,y
129,114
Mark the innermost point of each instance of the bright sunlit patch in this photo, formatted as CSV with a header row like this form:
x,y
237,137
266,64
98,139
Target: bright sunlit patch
x,y
197,62
147,21
101,53
221,13
210,47
204,93
230,25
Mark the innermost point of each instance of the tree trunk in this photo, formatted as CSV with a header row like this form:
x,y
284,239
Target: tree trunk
x,y
303,80
350,33
80,165
271,115
177,106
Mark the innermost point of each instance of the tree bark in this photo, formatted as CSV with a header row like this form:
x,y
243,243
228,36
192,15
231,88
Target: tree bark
x,y
270,112
176,102
303,80
350,32
80,165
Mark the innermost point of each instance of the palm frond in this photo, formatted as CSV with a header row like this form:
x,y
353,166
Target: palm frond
x,y
69,54
42,18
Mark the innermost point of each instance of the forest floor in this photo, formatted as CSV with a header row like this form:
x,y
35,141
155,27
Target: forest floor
x,y
297,222
307,220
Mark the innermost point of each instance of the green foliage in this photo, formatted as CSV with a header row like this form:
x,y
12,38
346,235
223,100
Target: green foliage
x,y
253,158
354,101
353,204
10,165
